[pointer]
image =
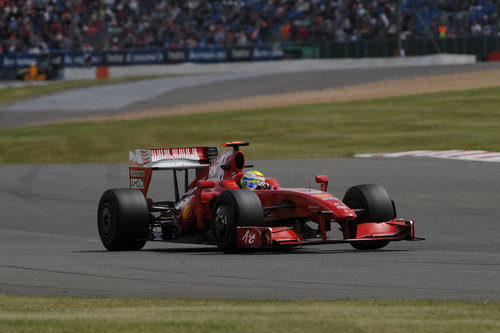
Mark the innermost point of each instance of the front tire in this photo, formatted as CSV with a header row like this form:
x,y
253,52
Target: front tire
x,y
377,206
123,219
234,208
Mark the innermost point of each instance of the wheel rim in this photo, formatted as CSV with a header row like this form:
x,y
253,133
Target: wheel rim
x,y
106,221
222,222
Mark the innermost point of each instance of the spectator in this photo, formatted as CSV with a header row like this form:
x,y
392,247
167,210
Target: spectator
x,y
40,26
475,29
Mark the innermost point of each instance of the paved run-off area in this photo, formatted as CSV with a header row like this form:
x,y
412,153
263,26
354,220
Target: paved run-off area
x,y
211,92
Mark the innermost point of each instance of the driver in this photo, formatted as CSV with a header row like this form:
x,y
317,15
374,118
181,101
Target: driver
x,y
254,180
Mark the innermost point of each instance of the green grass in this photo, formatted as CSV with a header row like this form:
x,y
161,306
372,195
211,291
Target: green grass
x,y
452,120
12,94
56,314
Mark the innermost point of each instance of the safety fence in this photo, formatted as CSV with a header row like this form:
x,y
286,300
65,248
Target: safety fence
x,y
144,56
481,47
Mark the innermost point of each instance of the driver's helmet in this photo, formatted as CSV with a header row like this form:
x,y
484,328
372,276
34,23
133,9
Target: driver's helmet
x,y
252,179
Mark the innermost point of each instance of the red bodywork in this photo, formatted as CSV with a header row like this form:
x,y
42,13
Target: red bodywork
x,y
286,210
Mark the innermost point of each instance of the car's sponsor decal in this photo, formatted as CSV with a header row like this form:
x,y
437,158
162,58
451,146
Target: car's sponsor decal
x,y
324,196
146,157
136,173
186,210
137,184
249,237
172,153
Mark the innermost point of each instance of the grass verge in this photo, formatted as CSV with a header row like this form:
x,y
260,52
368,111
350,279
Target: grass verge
x,y
55,314
453,120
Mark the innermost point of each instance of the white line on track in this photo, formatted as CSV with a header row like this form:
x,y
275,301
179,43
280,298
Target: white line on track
x,y
469,155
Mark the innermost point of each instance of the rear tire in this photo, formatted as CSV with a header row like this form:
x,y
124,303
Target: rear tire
x,y
234,208
123,219
377,205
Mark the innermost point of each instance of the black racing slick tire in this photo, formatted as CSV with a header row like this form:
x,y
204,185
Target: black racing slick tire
x,y
377,206
231,209
123,219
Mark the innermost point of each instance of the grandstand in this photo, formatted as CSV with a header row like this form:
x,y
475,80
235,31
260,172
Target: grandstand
x,y
41,26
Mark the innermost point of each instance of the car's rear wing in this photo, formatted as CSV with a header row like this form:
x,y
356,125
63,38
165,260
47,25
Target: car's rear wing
x,y
173,158
144,161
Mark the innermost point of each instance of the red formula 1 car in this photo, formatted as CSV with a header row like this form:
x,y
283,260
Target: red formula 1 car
x,y
215,210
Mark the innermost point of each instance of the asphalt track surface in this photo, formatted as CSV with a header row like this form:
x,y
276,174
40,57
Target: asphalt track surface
x,y
49,243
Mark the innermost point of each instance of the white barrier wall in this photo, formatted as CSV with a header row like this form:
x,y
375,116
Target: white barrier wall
x,y
279,66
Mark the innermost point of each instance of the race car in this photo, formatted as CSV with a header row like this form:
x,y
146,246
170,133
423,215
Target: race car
x,y
215,210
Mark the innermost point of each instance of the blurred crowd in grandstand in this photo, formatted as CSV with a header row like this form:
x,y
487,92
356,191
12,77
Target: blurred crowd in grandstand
x,y
39,26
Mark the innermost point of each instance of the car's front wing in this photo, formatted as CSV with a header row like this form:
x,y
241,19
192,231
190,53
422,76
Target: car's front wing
x,y
267,237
